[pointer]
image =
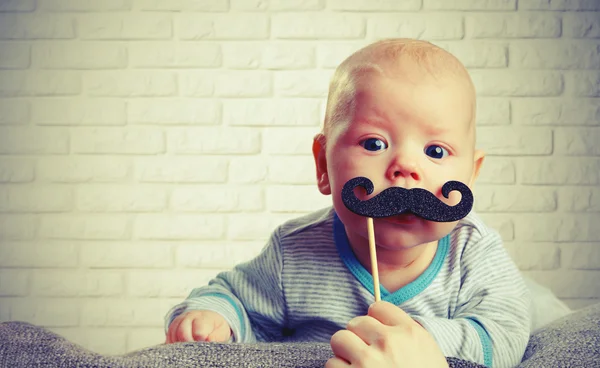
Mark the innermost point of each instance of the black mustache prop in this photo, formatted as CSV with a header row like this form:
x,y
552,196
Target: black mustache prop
x,y
395,201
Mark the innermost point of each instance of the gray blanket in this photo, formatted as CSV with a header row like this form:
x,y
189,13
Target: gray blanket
x,y
573,341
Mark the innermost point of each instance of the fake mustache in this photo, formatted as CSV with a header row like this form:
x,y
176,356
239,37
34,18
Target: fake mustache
x,y
395,201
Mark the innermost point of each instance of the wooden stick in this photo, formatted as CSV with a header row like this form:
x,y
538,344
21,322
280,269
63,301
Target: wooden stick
x,y
373,255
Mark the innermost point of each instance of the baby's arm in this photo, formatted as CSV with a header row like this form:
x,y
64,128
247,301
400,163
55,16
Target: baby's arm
x,y
248,293
491,323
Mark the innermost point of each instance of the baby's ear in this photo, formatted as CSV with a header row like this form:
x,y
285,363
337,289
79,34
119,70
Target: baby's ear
x,y
318,149
478,158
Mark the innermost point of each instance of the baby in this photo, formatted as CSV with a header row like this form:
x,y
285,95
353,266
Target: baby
x,y
401,113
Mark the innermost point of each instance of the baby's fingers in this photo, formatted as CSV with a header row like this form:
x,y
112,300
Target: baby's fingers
x,y
202,328
184,331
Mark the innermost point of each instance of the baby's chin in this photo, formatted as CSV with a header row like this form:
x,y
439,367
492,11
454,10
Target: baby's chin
x,y
409,231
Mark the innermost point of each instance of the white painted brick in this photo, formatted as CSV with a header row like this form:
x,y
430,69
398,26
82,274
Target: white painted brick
x,y
478,54
163,111
538,256
545,54
33,140
242,55
275,55
16,170
230,26
17,227
288,56
514,199
515,25
130,84
579,199
14,55
313,83
77,227
109,312
181,170
76,169
187,5
297,5
583,84
217,198
377,5
80,55
14,112
174,55
118,140
497,170
517,83
142,26
560,227
17,5
77,283
14,282
577,141
36,199
515,141
4,310
555,111
468,5
249,5
36,26
141,338
179,227
126,255
243,84
248,170
317,26
255,227
296,198
84,5
575,171
46,312
292,170
415,25
288,141
39,254
493,111
581,25
171,283
272,112
113,198
216,254
43,83
569,284
580,256
559,5
197,84
72,111
331,54
106,341
502,223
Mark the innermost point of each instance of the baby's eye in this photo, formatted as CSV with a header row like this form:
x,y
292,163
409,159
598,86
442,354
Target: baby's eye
x,y
436,151
373,144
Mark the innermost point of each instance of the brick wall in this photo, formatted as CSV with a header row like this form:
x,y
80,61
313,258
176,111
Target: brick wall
x,y
146,145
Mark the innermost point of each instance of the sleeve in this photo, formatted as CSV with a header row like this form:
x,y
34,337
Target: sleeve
x,y
491,322
249,297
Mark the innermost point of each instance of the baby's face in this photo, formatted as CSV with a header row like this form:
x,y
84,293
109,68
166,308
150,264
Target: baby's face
x,y
410,135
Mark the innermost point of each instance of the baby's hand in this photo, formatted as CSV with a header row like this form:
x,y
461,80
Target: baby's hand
x,y
387,337
198,326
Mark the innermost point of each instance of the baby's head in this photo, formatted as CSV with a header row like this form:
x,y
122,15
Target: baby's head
x,y
401,113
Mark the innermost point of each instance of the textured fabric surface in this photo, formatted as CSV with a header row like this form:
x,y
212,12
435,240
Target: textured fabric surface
x,y
26,345
573,341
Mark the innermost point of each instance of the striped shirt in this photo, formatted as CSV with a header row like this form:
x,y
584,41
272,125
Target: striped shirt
x,y
306,284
